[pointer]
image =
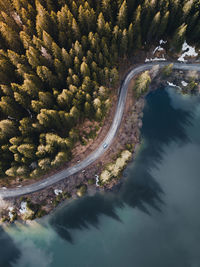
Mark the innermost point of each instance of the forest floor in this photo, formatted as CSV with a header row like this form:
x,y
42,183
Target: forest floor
x,y
129,133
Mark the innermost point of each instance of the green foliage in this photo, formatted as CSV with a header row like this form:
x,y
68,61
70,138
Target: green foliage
x,y
82,190
58,63
192,85
142,84
167,70
91,181
179,37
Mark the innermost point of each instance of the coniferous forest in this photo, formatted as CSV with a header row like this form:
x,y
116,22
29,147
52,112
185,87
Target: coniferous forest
x,y
59,62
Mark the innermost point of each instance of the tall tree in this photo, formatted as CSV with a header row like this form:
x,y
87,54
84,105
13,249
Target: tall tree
x,y
122,16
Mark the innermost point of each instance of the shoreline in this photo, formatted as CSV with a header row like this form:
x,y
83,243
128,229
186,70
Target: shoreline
x,y
124,134
70,184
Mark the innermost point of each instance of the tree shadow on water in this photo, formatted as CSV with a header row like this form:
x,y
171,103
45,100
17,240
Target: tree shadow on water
x,y
9,252
162,124
82,213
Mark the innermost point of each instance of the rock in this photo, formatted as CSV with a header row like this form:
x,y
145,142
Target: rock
x,y
140,124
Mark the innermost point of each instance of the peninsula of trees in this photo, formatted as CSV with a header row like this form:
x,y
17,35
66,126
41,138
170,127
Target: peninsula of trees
x,y
58,64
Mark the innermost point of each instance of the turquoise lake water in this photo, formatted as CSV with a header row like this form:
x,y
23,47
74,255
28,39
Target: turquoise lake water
x,y
154,219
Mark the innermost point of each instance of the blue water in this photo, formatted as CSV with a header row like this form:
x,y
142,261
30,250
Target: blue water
x,y
152,221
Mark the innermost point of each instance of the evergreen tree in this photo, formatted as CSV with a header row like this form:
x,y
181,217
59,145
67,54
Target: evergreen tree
x,y
11,37
101,24
163,25
122,16
8,129
44,21
59,62
153,31
137,38
179,37
85,71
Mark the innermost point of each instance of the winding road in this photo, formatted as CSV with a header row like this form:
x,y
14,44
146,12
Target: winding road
x,y
15,192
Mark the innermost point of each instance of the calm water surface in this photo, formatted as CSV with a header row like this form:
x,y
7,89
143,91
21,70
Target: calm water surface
x,y
154,221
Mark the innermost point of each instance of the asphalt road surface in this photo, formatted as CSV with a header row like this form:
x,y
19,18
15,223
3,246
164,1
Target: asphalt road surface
x,y
15,192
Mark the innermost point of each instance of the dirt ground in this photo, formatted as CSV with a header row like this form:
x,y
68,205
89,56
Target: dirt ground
x,y
129,133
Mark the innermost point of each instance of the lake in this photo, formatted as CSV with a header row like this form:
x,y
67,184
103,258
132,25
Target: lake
x,y
154,219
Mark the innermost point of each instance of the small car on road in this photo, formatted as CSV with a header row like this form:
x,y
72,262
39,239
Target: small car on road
x,y
105,145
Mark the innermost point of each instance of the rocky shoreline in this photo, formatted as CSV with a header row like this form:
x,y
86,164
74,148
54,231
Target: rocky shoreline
x,y
128,138
43,202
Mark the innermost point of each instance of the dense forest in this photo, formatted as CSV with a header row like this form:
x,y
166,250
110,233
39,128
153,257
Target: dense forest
x,y
59,62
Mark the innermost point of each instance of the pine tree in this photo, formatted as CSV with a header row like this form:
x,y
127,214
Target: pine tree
x,y
11,37
137,38
9,107
124,42
44,21
60,158
23,171
179,37
142,84
64,99
33,56
130,38
7,73
26,39
32,85
12,172
85,71
99,114
78,50
57,52
74,112
153,30
114,77
87,109
8,129
47,99
101,24
122,16
107,10
74,9
76,30
26,127
163,25
16,58
47,76
45,163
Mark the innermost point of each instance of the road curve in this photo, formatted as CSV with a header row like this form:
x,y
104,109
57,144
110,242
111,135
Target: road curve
x,y
15,192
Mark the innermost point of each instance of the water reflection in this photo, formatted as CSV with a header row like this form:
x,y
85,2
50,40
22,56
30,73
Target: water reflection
x,y
9,252
162,124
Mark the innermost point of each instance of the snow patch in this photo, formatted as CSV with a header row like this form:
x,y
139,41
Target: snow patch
x,y
58,191
23,208
155,59
188,51
184,83
162,42
158,48
45,53
10,214
97,179
173,85
11,118
17,19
